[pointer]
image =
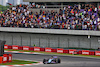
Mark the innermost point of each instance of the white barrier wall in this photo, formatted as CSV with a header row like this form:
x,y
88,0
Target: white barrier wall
x,y
50,37
50,40
51,31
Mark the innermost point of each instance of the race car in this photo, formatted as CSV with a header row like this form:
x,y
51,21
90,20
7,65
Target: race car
x,y
52,60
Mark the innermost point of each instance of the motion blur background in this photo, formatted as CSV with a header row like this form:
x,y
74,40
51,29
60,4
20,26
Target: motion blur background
x,y
78,19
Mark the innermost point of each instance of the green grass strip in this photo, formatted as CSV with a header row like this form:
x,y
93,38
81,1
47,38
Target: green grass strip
x,y
15,62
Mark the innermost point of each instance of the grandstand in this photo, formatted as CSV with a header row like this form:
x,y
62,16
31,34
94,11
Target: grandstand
x,y
73,16
62,3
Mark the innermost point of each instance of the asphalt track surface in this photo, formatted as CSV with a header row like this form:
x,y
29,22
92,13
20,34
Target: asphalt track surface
x,y
66,61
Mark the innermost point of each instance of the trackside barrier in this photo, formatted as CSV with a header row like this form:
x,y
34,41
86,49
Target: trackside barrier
x,y
42,49
58,50
1,58
5,58
36,48
79,51
97,53
48,49
53,50
9,47
20,47
71,51
65,51
15,47
9,57
26,48
85,52
31,48
91,52
5,46
76,52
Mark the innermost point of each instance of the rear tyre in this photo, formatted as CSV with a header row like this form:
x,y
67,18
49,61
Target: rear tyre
x,y
55,60
44,60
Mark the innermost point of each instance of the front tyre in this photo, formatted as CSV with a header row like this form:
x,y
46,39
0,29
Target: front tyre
x,y
59,61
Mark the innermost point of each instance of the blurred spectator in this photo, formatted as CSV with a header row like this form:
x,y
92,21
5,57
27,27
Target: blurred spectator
x,y
77,17
33,5
98,49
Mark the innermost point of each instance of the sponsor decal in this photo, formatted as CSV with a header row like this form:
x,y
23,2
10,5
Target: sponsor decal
x,y
5,46
99,7
15,47
36,48
71,51
59,50
4,58
48,49
85,52
9,58
25,47
97,53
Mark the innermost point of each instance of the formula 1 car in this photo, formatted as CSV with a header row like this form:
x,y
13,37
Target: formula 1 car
x,y
52,60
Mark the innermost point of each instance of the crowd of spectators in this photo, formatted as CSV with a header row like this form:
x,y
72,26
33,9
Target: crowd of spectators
x,y
85,17
33,5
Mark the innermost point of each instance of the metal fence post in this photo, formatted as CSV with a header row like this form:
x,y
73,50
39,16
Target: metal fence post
x,y
4,37
21,40
90,43
79,43
30,40
58,42
68,42
12,40
48,42
39,41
